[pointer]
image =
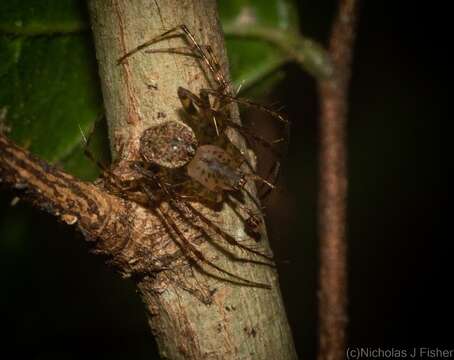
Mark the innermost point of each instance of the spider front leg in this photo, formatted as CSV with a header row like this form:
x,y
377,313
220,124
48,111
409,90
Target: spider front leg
x,y
204,52
199,194
231,98
179,50
229,238
248,134
165,35
86,140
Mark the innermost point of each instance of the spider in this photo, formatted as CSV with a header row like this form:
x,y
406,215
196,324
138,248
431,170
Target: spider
x,y
184,162
152,185
199,110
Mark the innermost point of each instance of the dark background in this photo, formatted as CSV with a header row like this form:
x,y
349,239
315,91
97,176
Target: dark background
x,y
59,301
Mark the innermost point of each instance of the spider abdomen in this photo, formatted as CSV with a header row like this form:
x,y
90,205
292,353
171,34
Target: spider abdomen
x,y
215,169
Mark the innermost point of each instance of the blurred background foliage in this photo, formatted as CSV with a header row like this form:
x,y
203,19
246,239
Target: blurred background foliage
x,y
59,301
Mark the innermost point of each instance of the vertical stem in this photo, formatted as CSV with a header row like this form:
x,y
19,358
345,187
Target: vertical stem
x,y
241,322
333,188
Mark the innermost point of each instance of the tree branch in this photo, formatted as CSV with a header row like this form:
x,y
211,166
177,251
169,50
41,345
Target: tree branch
x,y
333,187
117,228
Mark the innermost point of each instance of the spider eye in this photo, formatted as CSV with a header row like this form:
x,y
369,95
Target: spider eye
x,y
191,149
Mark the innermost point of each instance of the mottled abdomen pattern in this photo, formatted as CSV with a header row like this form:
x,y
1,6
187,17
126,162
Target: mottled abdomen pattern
x,y
215,169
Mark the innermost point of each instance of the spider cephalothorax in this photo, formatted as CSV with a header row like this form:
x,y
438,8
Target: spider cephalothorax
x,y
171,144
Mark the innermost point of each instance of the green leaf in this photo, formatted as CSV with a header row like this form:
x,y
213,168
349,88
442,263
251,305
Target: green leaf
x,y
252,60
40,17
265,34
281,14
49,90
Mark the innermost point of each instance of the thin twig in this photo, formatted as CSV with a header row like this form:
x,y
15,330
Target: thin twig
x,y
333,187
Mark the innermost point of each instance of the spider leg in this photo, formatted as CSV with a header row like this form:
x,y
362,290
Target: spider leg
x,y
208,198
86,140
250,220
240,159
273,175
191,251
87,152
246,102
222,234
180,50
91,156
254,201
152,41
222,82
186,244
225,143
208,57
256,177
248,134
230,239
204,52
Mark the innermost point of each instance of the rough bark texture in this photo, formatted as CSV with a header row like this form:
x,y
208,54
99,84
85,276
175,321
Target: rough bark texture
x,y
240,322
127,233
333,188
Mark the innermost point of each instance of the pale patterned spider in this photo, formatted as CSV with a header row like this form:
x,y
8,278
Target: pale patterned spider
x,y
195,162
